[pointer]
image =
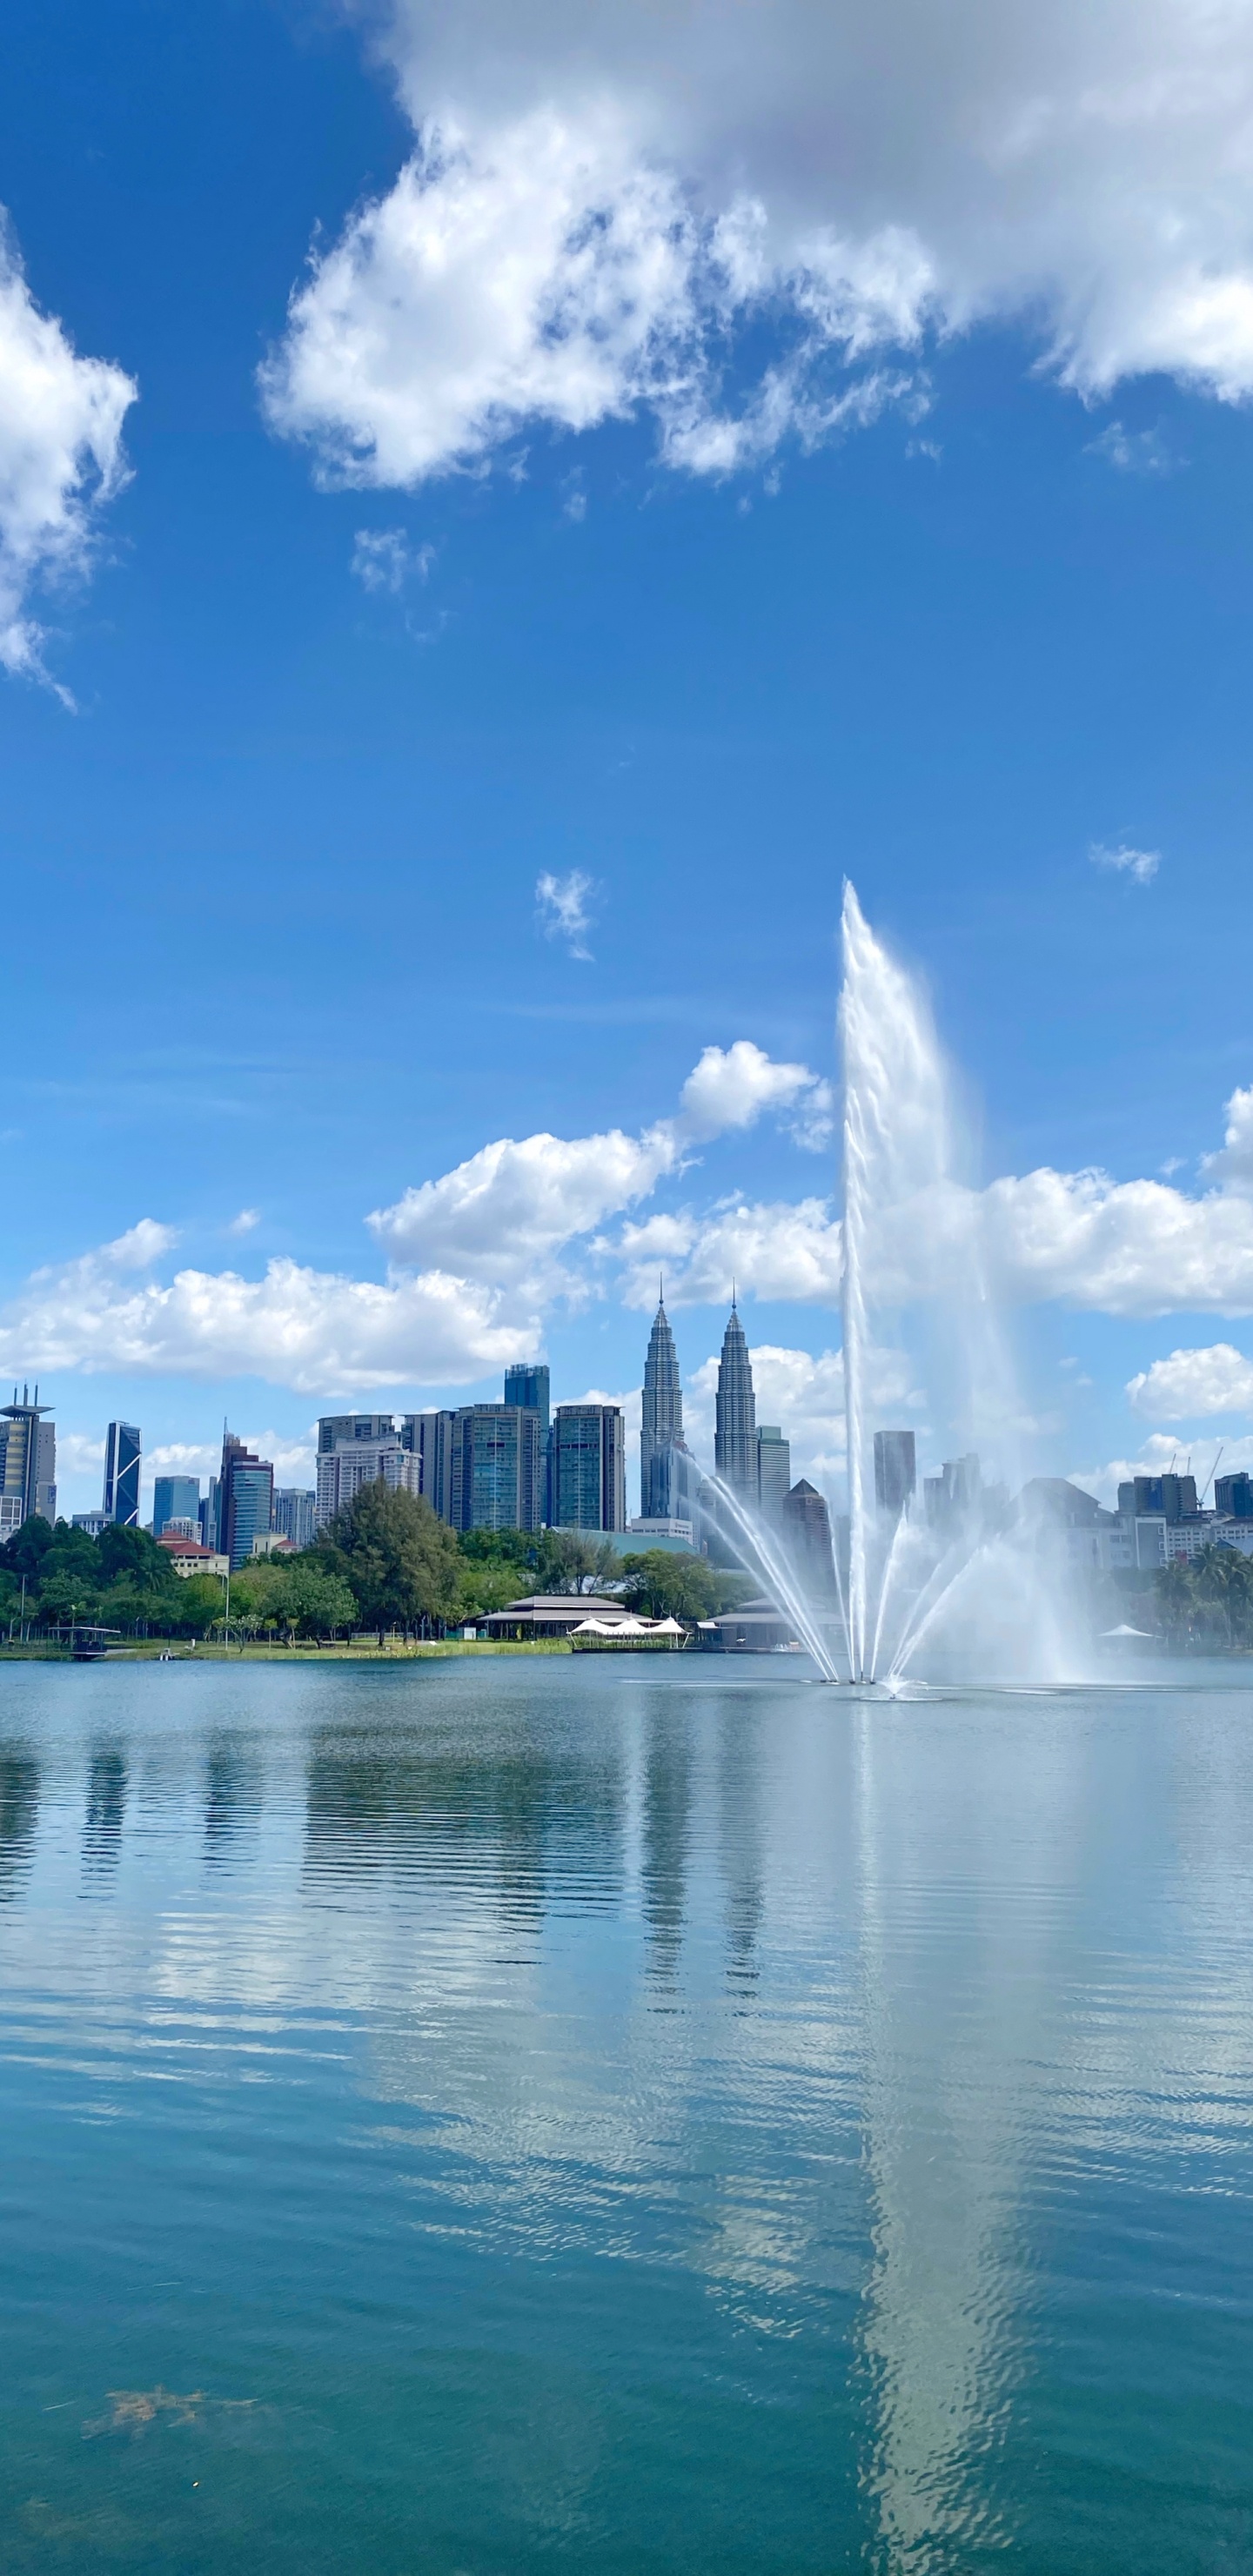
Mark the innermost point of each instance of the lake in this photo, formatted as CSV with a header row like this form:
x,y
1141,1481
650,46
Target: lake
x,y
481,2117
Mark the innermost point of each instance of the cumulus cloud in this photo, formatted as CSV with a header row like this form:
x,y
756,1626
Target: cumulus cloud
x,y
510,1211
1232,1167
600,199
1139,1247
60,457
312,1330
1191,1384
561,903
790,1252
730,1088
1140,865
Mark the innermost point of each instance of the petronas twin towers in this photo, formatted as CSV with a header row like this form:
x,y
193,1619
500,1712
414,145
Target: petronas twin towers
x,y
668,1472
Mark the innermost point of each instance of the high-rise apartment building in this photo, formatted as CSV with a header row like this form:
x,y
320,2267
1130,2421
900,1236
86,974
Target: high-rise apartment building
x,y
1233,1496
895,1471
123,1460
175,1498
245,1500
735,1413
351,1464
295,1514
667,1477
497,1467
335,1428
430,1438
529,1384
774,1471
589,1467
28,1463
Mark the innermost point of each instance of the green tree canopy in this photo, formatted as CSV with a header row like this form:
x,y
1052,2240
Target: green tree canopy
x,y
678,1587
401,1561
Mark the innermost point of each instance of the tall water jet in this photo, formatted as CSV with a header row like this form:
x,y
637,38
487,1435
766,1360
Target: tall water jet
x,y
912,1243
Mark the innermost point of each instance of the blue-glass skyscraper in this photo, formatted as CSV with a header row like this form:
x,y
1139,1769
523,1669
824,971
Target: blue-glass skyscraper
x,y
123,1445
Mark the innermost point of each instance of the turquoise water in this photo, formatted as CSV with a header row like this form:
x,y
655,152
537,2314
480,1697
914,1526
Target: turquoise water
x,y
480,2118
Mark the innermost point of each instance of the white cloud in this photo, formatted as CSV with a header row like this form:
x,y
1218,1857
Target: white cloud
x,y
507,1213
1140,865
294,1461
1191,1384
805,1396
246,1222
1232,1168
312,1330
79,1453
602,197
510,1211
788,1252
383,559
731,1088
561,903
60,456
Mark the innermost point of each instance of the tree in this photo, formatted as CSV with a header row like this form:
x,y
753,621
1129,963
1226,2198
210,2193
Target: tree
x,y
28,1547
1176,1597
677,1587
401,1561
1223,1581
573,1560
314,1602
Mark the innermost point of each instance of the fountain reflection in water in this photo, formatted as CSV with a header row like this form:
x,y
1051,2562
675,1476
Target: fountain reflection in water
x,y
979,1584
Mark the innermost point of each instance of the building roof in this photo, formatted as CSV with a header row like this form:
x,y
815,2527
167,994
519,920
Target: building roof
x,y
539,1605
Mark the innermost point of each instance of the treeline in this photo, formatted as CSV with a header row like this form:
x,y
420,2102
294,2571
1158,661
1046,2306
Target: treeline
x,y
387,1565
1207,1600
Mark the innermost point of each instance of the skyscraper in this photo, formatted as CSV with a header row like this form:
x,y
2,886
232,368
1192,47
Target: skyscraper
x,y
528,1384
175,1498
589,1467
774,1471
28,1463
895,1471
735,1414
123,1458
245,1499
430,1437
666,1479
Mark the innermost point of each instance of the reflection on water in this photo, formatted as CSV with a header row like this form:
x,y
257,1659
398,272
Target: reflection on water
x,y
105,1814
19,1810
631,2119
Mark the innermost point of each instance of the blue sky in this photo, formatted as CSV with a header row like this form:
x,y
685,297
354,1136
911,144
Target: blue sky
x,y
673,476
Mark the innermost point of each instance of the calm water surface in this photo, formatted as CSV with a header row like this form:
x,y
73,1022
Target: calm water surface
x,y
479,2118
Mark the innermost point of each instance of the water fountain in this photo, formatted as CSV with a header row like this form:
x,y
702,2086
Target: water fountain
x,y
912,1245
